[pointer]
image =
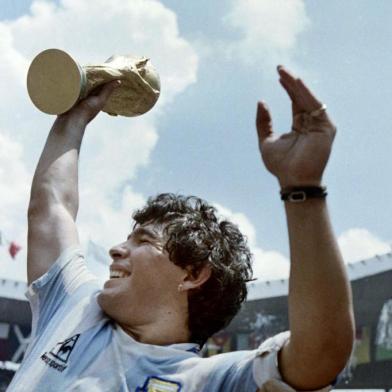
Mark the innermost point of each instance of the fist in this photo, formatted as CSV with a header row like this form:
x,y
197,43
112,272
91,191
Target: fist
x,y
88,108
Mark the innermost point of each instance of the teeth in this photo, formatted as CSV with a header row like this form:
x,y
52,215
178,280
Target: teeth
x,y
118,274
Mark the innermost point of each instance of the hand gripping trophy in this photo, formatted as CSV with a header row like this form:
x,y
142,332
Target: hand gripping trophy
x,y
56,82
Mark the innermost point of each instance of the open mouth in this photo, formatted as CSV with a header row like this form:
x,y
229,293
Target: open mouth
x,y
118,274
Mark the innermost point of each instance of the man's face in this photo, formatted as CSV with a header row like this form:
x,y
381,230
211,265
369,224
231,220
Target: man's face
x,y
143,281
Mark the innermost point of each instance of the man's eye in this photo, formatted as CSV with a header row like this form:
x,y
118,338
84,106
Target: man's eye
x,y
144,241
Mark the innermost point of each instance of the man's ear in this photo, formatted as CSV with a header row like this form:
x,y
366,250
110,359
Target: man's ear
x,y
194,280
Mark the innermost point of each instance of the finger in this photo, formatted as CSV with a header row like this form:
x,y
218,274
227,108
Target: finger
x,y
300,93
98,98
289,82
308,97
290,92
287,76
296,104
107,91
300,89
94,103
263,121
311,102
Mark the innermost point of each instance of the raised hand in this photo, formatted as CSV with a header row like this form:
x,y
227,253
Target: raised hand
x,y
299,157
88,108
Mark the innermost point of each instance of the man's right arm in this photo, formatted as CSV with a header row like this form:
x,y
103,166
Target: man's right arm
x,y
54,197
54,194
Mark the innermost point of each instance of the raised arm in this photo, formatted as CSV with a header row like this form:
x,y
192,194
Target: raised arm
x,y
54,194
320,305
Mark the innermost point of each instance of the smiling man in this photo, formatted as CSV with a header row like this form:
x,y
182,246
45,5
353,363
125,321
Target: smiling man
x,y
181,275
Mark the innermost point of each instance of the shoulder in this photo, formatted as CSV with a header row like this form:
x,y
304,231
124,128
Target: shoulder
x,y
246,369
229,371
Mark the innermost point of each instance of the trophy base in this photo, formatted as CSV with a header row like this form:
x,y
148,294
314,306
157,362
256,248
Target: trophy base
x,y
55,81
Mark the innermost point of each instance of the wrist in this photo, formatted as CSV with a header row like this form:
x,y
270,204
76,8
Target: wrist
x,y
299,194
73,120
297,182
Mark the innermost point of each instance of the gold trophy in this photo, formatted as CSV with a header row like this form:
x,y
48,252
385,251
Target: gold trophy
x,y
56,82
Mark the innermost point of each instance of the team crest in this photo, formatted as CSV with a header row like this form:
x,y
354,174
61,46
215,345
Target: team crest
x,y
157,384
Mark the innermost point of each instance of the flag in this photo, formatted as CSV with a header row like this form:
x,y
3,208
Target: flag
x,y
14,248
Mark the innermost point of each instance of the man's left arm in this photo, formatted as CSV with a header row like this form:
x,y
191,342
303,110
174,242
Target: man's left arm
x,y
320,304
321,321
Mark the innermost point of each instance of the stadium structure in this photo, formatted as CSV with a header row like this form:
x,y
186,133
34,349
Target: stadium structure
x,y
264,314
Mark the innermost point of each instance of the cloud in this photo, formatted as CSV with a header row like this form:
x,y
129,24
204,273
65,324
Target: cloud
x,y
270,265
13,64
105,224
359,244
92,32
268,31
114,149
355,244
267,264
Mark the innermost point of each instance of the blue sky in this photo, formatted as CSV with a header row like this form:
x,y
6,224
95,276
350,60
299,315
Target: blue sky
x,y
216,59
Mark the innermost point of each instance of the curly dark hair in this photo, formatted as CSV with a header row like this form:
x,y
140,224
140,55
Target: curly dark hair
x,y
195,237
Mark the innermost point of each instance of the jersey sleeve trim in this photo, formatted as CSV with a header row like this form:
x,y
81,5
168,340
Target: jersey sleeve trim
x,y
266,366
32,293
65,257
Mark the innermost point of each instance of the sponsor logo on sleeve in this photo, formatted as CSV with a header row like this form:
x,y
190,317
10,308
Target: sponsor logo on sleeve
x,y
57,358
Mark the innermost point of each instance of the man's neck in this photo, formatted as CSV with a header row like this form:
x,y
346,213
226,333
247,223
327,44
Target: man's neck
x,y
165,330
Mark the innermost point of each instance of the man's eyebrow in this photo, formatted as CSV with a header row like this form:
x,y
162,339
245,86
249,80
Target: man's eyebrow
x,y
141,231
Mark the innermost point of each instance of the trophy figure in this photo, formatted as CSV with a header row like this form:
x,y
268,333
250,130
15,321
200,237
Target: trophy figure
x,y
56,82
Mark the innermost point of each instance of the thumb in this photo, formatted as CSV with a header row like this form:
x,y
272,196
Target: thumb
x,y
106,91
95,102
263,121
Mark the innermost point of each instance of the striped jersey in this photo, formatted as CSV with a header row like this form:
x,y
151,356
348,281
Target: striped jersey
x,y
76,347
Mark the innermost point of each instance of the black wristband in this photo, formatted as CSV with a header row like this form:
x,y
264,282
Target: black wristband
x,y
297,194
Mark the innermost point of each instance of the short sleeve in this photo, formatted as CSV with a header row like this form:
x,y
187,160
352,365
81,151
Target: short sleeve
x,y
56,287
266,366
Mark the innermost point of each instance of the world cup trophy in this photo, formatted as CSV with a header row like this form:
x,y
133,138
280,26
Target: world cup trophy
x,y
56,82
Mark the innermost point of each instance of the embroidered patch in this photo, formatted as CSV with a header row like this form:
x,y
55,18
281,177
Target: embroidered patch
x,y
157,384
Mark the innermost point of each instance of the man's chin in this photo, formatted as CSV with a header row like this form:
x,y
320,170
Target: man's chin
x,y
103,301
109,283
99,298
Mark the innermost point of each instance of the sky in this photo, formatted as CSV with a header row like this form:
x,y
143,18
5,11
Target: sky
x,y
216,59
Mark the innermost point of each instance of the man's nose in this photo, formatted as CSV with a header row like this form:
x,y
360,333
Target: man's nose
x,y
119,251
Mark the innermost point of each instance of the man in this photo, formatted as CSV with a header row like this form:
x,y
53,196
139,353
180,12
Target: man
x,y
180,276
